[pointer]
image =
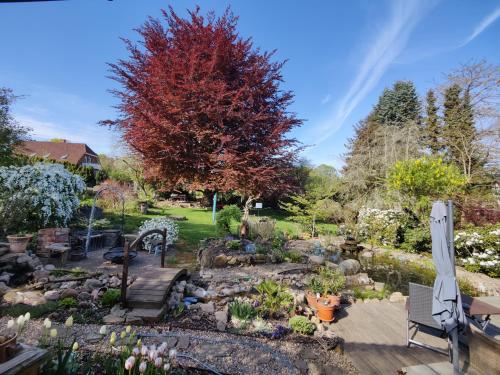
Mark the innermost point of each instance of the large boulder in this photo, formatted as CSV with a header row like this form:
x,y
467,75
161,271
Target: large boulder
x,y
360,279
350,266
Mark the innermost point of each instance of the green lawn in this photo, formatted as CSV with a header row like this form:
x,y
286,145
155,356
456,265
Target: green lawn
x,y
199,223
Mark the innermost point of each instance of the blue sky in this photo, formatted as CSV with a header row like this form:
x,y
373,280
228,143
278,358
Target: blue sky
x,y
341,55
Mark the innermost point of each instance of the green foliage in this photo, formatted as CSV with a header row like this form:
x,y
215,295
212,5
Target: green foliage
x,y
11,133
233,244
398,105
111,297
171,260
432,128
74,272
300,324
35,311
67,303
425,177
361,293
242,310
225,217
292,256
328,281
274,299
417,240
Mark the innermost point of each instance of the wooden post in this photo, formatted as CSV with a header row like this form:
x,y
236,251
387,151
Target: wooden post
x,y
124,275
163,245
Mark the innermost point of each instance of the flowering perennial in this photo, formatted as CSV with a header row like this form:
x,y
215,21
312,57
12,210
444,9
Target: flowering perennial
x,y
159,223
379,226
48,191
480,250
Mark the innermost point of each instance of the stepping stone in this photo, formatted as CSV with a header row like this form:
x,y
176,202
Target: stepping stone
x,y
148,315
183,343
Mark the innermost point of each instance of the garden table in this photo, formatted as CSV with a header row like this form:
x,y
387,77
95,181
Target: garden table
x,y
476,309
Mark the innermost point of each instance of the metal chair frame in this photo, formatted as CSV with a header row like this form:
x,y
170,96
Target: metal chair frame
x,y
420,319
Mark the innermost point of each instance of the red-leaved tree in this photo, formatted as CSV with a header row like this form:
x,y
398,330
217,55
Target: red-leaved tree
x,y
204,109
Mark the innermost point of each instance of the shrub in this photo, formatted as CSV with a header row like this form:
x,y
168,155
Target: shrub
x,y
262,228
242,310
110,297
417,240
479,249
67,303
300,324
273,298
159,223
233,244
380,226
36,196
225,217
292,256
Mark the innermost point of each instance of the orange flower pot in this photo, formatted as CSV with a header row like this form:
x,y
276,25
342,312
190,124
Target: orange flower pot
x,y
312,300
325,309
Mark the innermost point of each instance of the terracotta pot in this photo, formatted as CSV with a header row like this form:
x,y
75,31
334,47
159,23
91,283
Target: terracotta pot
x,y
18,244
335,300
312,301
325,310
7,348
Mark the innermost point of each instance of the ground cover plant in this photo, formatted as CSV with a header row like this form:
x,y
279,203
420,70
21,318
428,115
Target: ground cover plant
x,y
300,324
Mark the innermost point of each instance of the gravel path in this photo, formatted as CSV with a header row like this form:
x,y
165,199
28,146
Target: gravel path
x,y
228,353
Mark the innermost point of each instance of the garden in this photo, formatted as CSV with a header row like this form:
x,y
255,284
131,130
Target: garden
x,y
213,248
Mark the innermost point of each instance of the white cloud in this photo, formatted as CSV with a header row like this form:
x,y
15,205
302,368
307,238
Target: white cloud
x,y
483,25
389,43
326,99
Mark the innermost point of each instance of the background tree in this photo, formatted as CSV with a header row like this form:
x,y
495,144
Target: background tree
x,y
204,109
11,133
432,125
399,105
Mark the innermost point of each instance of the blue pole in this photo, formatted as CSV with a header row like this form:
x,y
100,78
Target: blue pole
x,y
214,207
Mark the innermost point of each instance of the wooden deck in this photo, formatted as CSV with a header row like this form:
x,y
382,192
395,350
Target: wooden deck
x,y
375,338
151,288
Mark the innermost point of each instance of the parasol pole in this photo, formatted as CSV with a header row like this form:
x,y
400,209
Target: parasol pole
x,y
454,333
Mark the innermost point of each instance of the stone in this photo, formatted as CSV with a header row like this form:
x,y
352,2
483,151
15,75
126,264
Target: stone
x,y
317,259
84,305
301,365
5,277
13,297
199,293
33,298
196,318
93,338
331,265
113,319
3,288
41,275
49,267
69,284
315,320
70,292
378,286
360,279
221,319
350,266
171,342
208,307
23,259
84,296
116,310
131,319
114,282
183,343
3,250
397,297
220,261
91,284
52,295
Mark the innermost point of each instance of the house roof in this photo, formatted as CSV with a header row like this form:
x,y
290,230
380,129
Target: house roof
x,y
59,151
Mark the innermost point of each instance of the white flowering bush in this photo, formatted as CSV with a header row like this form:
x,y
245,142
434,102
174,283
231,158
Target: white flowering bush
x,y
380,226
159,223
35,196
479,249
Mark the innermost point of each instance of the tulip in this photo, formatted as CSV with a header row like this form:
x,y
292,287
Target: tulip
x,y
47,323
112,339
139,343
172,353
153,354
123,334
136,351
142,367
69,322
103,330
27,316
10,323
166,367
75,346
158,362
162,348
128,329
53,332
144,351
20,320
129,363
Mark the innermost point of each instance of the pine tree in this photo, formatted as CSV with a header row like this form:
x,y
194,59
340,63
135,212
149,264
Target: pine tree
x,y
432,127
399,105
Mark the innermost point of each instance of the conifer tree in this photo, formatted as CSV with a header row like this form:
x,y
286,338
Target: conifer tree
x,y
399,105
432,126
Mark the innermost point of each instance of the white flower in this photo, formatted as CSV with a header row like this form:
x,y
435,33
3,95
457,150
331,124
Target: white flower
x,y
166,367
172,353
123,334
136,351
159,223
112,338
10,323
128,329
47,323
75,346
27,316
142,367
153,354
20,320
158,362
129,363
144,350
53,333
103,330
69,321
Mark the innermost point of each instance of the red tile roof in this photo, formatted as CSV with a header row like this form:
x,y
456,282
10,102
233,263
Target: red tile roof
x,y
59,151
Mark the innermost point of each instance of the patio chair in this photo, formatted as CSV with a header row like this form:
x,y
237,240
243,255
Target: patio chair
x,y
419,306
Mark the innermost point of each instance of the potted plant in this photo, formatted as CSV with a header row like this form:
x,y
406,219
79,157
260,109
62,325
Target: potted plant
x,y
314,292
332,282
19,242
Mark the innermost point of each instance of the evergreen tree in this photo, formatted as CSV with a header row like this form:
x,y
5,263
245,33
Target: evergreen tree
x,y
399,105
432,127
11,133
